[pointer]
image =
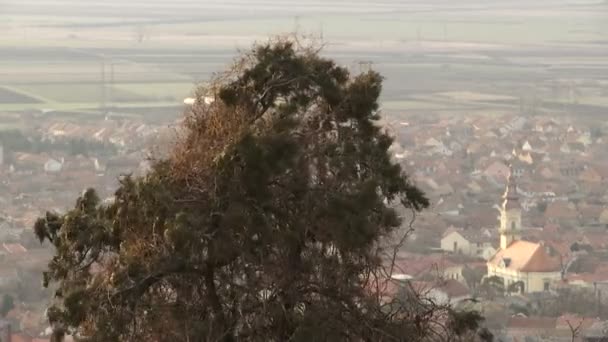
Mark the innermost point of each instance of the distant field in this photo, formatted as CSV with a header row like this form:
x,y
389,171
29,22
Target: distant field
x,y
403,26
159,91
10,96
221,23
72,93
471,96
87,108
436,56
413,105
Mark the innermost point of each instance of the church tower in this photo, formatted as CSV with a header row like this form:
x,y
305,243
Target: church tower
x,y
510,214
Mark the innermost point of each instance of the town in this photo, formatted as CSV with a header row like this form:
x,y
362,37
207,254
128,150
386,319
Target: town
x,y
517,223
496,111
518,220
43,167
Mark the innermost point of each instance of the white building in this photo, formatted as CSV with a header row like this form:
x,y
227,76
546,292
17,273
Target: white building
x,y
470,242
53,166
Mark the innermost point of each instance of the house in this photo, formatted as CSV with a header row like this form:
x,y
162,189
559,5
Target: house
x,y
585,139
426,166
521,168
474,187
601,169
590,175
589,214
441,150
525,157
497,170
603,219
583,280
444,189
571,168
517,261
29,162
53,166
516,124
561,211
14,248
475,147
546,172
597,240
468,242
546,125
432,142
432,267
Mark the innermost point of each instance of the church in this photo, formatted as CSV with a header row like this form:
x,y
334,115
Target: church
x,y
518,260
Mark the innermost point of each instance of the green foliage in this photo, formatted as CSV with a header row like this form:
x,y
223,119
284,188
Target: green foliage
x,y
541,206
8,304
473,276
575,247
264,224
516,287
463,322
492,287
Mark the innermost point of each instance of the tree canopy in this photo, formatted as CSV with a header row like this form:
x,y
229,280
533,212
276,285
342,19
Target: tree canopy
x,y
264,223
8,304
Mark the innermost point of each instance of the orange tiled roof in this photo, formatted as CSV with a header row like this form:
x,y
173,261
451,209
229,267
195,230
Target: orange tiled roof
x,y
14,248
19,337
453,288
526,256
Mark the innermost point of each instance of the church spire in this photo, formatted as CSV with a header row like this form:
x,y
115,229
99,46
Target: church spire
x,y
510,218
511,198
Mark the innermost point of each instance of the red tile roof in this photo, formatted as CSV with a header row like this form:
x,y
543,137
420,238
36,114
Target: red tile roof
x,y
19,337
453,288
423,265
532,323
561,210
14,248
526,256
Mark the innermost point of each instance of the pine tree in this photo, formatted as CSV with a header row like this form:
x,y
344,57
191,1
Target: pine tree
x,y
8,304
264,223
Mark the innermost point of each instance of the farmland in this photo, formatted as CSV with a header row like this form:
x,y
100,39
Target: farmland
x,y
11,96
470,56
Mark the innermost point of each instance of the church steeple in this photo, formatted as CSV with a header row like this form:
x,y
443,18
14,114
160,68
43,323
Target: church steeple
x,y
511,199
510,218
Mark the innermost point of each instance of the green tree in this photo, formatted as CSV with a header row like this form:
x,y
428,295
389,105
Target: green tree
x,y
8,304
473,276
516,287
492,287
464,327
265,222
541,206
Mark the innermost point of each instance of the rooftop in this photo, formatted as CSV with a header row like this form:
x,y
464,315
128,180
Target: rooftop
x,y
525,256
